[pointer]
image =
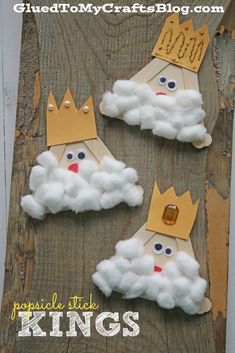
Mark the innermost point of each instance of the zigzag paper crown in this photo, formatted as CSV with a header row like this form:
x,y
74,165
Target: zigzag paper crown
x,y
171,214
67,124
180,44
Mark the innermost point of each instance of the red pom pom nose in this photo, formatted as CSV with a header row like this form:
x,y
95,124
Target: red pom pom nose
x,y
73,167
157,269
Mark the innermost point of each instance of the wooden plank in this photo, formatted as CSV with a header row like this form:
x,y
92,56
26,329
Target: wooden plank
x,y
218,185
3,204
11,60
88,53
230,338
19,260
10,37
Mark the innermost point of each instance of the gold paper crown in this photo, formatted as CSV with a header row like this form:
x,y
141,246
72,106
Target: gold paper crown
x,y
180,44
67,124
171,214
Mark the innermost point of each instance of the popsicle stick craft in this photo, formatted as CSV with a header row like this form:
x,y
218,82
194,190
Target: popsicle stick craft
x,y
164,96
158,262
78,172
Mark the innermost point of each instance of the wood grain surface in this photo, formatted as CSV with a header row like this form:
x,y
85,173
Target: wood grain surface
x,y
88,53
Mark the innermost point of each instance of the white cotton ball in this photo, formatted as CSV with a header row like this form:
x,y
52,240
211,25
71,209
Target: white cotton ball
x,y
101,284
109,272
111,199
181,286
165,300
178,120
47,160
127,103
110,105
117,180
137,289
130,175
153,286
32,207
164,129
171,270
110,165
108,181
124,87
163,114
122,264
59,175
194,117
127,280
105,266
189,98
165,102
147,117
187,265
188,305
130,248
69,203
51,195
38,176
101,180
133,195
192,133
132,117
88,199
75,183
143,265
198,289
166,285
144,93
87,168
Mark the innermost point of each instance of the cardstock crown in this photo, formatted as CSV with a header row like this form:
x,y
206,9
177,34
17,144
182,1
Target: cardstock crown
x,y
179,44
67,124
171,214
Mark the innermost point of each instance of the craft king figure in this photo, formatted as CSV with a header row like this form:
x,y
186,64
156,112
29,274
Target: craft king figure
x,y
164,96
78,172
158,262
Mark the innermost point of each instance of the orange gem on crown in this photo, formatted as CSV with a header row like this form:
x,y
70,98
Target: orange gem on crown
x,y
170,214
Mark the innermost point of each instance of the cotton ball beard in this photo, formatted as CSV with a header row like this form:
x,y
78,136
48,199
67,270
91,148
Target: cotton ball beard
x,y
56,189
178,285
173,117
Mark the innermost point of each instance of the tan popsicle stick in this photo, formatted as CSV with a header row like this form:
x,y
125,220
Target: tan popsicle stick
x,y
149,71
58,151
98,148
205,306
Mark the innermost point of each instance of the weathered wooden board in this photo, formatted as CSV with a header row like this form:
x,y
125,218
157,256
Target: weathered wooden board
x,y
87,53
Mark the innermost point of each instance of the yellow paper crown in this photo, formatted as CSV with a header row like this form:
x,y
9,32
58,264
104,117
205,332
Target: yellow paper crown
x,y
171,214
179,44
67,124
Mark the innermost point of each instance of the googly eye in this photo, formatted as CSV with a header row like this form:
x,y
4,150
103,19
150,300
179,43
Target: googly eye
x,y
169,251
162,80
70,156
81,154
171,85
158,248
